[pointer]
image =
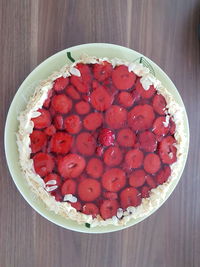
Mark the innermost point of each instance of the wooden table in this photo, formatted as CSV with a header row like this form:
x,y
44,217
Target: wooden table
x,y
165,31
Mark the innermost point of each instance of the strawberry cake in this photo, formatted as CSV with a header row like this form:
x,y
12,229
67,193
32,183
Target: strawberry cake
x,y
101,141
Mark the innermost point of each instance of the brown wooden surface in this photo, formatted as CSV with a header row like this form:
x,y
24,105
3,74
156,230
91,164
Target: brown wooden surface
x,y
165,31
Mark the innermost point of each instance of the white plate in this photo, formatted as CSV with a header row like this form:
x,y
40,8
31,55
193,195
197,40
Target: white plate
x,y
19,102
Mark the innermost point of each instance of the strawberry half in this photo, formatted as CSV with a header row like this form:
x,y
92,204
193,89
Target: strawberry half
x,y
152,163
116,117
126,99
137,178
126,137
71,91
71,166
60,84
134,158
144,93
129,197
112,156
82,107
38,140
43,120
114,180
148,141
61,104
122,78
100,99
86,144
108,209
68,187
90,209
95,167
89,190
159,104
141,117
102,71
93,121
61,143
72,124
167,150
43,163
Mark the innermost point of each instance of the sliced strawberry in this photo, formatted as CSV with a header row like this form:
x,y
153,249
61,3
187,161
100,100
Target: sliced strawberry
x,y
60,84
148,141
134,158
90,209
122,78
50,130
93,121
116,117
57,194
136,96
145,191
86,98
130,197
43,120
163,175
95,84
110,195
114,180
68,187
48,100
77,205
126,137
126,99
94,167
167,150
100,99
82,107
86,144
82,83
159,127
112,156
137,178
71,91
52,111
144,93
72,124
106,137
102,71
151,182
100,151
61,143
141,117
71,166
109,209
52,179
159,104
43,163
38,140
61,103
152,163
58,122
89,190
172,126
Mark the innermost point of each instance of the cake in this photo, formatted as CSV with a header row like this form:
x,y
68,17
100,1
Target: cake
x,y
101,141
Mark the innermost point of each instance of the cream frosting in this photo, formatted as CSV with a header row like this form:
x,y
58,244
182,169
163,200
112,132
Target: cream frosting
x,y
37,184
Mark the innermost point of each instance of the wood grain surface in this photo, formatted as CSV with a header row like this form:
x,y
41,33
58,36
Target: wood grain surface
x,y
165,31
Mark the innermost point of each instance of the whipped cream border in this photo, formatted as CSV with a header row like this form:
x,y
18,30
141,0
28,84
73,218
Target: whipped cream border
x,y
37,184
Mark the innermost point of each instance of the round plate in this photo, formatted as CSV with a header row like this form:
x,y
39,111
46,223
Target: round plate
x,y
19,103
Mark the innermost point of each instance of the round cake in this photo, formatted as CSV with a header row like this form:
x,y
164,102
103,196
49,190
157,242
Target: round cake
x,y
100,141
